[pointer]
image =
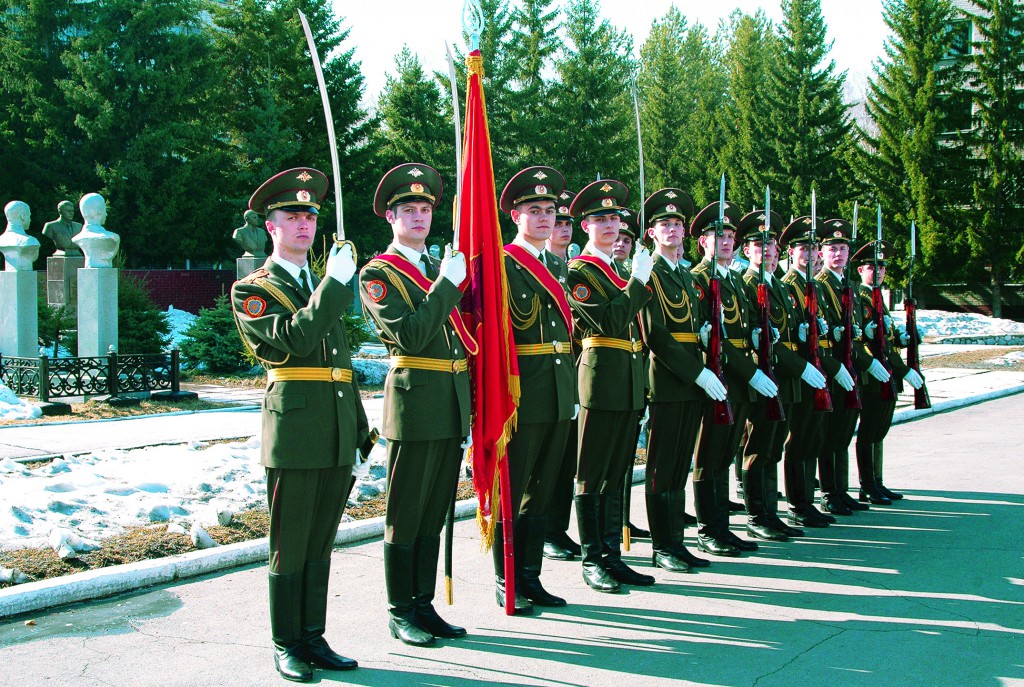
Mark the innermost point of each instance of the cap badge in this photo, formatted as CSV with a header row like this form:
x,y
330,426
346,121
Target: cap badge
x,y
540,188
563,210
415,172
761,217
416,188
302,195
837,224
670,208
607,203
671,194
540,174
565,194
606,188
304,176
838,235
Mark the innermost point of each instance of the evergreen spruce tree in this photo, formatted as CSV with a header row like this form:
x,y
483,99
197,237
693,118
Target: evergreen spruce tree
x,y
212,342
141,325
809,118
139,77
998,140
533,45
416,126
597,131
749,151
904,161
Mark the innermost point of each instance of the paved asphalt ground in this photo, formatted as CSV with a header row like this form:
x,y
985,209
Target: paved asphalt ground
x,y
929,591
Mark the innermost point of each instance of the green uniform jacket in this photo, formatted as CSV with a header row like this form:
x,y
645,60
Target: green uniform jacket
x,y
419,405
739,362
830,307
783,315
609,378
797,286
547,382
862,315
306,424
675,308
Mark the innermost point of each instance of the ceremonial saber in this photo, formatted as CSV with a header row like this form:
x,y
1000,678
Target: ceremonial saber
x,y
458,146
339,236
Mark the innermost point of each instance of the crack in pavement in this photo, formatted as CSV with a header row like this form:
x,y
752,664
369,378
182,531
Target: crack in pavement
x,y
812,647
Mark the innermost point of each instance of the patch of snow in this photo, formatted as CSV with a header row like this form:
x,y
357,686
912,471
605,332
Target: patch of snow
x,y
1011,358
14,408
942,323
179,322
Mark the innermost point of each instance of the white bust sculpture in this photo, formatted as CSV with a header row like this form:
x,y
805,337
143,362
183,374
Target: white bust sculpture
x,y
19,249
98,244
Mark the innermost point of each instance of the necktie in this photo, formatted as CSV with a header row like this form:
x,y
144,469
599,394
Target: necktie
x,y
305,281
428,269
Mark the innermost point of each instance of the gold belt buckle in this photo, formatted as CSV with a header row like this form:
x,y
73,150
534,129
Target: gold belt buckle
x,y
455,367
636,346
336,374
557,346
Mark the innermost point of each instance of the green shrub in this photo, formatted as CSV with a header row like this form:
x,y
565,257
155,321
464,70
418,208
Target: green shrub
x,y
212,342
141,325
53,324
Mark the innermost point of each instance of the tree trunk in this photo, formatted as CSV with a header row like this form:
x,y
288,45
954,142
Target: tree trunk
x,y
997,300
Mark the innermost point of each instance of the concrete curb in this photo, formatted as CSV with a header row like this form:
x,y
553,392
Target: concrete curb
x,y
118,579
94,584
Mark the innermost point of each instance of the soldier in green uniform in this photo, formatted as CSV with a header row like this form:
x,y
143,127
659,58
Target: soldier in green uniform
x,y
680,384
806,425
762,451
717,444
876,413
558,545
410,299
605,303
312,415
834,459
541,326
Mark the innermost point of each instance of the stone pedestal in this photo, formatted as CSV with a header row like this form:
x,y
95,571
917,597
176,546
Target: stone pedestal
x,y
243,266
97,310
19,314
62,281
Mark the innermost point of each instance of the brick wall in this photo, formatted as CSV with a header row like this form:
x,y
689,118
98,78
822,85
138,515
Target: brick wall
x,y
187,290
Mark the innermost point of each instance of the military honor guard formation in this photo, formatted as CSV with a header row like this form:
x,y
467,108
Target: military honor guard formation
x,y
724,370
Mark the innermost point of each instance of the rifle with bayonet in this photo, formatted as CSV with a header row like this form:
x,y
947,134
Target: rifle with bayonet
x,y
922,399
852,400
822,397
774,411
876,344
721,411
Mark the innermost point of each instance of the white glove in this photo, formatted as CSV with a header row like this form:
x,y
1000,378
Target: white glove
x,y
914,379
887,321
341,263
814,379
837,334
453,267
467,442
775,335
576,411
705,334
763,385
801,332
843,378
878,371
822,327
712,385
643,263
646,416
755,337
869,330
857,333
904,337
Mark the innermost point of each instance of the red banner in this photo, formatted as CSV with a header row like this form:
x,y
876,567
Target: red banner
x,y
494,369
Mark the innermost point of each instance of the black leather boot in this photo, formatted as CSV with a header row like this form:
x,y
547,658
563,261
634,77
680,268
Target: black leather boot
x,y
610,512
285,627
709,539
878,460
868,479
398,577
314,648
425,550
522,604
662,537
771,502
528,583
677,518
594,574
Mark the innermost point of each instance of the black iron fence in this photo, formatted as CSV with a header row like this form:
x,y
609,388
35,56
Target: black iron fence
x,y
48,378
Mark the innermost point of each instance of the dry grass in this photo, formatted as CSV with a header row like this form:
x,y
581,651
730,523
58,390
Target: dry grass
x,y
95,410
976,359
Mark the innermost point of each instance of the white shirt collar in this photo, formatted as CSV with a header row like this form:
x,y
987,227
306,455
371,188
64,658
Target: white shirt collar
x,y
723,271
411,254
594,250
523,243
668,261
839,275
291,268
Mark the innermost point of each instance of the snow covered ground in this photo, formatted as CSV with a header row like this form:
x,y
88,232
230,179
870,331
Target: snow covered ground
x,y
13,408
941,323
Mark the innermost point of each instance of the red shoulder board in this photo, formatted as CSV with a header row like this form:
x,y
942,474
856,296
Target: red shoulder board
x,y
254,306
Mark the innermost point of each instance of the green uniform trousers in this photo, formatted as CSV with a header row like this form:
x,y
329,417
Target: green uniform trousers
x,y
834,458
674,430
305,509
806,434
560,506
534,461
421,478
